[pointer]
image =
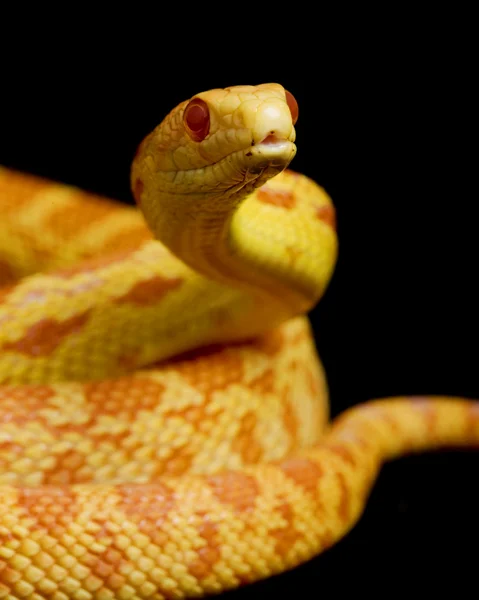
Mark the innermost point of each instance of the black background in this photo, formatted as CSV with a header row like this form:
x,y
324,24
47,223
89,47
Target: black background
x,y
385,126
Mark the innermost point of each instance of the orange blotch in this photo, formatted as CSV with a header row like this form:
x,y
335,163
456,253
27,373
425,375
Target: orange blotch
x,y
150,291
138,189
341,450
376,413
352,432
123,396
50,509
129,238
42,338
235,489
327,214
287,535
110,575
203,417
20,404
428,413
245,443
65,469
176,463
281,198
208,554
303,472
148,506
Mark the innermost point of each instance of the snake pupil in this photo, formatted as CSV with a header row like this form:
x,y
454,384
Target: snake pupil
x,y
197,119
293,106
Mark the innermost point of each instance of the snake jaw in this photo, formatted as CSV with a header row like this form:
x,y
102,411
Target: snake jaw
x,y
272,153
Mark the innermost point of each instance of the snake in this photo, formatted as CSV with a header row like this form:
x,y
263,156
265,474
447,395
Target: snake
x,y
165,428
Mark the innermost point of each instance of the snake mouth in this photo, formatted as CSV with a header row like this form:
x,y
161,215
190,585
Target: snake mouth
x,y
272,151
272,139
258,162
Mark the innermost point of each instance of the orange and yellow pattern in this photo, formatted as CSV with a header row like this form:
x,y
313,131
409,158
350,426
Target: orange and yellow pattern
x,y
164,434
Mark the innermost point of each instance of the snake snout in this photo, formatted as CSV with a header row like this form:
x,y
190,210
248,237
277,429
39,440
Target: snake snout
x,y
270,121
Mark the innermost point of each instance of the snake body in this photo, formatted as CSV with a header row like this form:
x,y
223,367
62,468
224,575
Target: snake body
x,y
163,413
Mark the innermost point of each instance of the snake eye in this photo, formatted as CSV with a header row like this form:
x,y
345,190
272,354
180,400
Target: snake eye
x,y
293,106
197,119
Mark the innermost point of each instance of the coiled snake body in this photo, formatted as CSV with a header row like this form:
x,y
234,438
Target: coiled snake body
x,y
163,413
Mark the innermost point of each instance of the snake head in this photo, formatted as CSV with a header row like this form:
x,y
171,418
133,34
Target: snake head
x,y
221,139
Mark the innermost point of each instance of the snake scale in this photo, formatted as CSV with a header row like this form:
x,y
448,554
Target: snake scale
x,y
164,425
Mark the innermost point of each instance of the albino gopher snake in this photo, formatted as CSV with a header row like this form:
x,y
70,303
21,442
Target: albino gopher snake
x,y
163,411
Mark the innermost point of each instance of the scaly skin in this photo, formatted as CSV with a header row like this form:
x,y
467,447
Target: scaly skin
x,y
122,477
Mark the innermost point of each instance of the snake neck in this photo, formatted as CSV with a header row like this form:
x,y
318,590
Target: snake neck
x,y
243,237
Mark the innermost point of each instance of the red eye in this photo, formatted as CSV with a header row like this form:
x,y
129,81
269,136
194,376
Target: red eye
x,y
293,106
197,119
